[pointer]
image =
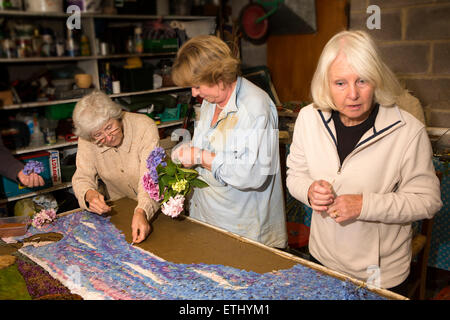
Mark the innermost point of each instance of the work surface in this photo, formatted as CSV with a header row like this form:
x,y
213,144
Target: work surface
x,y
181,259
182,240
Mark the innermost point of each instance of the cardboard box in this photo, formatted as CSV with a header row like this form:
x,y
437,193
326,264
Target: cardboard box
x,y
55,167
6,97
10,188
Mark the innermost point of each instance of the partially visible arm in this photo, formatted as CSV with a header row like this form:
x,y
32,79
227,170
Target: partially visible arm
x,y
298,179
85,177
150,140
10,166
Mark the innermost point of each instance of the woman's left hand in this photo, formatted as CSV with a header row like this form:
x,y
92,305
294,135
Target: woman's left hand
x,y
140,228
346,207
187,155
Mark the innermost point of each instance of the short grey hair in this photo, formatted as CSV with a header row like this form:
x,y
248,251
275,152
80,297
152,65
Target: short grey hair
x,y
92,112
363,55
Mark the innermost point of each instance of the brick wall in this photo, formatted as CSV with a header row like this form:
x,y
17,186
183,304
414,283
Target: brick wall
x,y
414,40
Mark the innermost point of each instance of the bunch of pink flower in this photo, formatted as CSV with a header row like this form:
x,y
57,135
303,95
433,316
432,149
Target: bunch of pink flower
x,y
151,187
174,206
43,217
169,183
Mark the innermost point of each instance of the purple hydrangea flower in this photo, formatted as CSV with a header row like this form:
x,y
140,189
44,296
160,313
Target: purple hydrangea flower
x,y
155,158
154,175
33,166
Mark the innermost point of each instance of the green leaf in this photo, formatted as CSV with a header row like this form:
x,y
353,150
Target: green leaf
x,y
165,179
161,186
188,170
166,196
171,169
190,176
198,183
160,169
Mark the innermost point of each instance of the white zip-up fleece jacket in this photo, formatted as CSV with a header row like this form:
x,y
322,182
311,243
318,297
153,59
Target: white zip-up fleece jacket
x,y
391,166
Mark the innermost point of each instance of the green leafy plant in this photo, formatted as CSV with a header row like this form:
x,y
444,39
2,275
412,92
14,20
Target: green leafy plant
x,y
168,182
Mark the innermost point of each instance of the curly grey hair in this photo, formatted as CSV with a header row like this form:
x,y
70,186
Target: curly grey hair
x,y
92,112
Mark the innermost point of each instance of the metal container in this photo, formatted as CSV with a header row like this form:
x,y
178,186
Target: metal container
x,y
44,5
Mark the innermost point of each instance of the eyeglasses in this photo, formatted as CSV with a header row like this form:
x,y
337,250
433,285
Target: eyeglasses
x,y
109,130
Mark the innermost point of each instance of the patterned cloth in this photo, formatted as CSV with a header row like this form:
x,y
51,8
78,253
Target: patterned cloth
x,y
94,260
440,238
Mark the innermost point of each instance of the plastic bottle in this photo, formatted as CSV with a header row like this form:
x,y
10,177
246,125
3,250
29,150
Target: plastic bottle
x,y
47,43
70,44
36,43
130,45
107,79
37,138
60,47
85,47
138,42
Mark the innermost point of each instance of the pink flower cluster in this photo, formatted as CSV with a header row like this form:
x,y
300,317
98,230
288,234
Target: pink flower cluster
x,y
151,187
174,206
43,217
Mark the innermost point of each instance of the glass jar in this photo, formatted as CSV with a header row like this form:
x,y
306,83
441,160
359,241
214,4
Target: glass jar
x,y
24,47
9,48
47,43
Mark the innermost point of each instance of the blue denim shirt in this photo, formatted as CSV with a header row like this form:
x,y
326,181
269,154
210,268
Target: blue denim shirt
x,y
245,193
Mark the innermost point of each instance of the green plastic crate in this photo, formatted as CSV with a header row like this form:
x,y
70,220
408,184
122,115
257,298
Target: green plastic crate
x,y
59,111
170,114
161,45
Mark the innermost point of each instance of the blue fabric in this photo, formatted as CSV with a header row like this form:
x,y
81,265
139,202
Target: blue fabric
x,y
440,239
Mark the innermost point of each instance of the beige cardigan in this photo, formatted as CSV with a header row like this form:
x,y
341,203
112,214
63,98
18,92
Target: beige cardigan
x,y
121,168
391,167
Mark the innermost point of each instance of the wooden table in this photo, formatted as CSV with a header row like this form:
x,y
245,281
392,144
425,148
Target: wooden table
x,y
186,240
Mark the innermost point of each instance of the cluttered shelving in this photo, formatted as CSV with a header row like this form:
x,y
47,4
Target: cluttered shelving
x,y
141,66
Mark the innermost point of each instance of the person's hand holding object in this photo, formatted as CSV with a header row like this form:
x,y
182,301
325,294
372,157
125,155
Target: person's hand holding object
x,y
320,195
32,180
97,202
187,155
140,228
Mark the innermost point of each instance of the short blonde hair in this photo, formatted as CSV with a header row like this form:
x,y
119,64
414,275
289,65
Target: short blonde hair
x,y
362,54
205,60
92,112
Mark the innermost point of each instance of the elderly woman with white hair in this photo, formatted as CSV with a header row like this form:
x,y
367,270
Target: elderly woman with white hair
x,y
113,146
362,164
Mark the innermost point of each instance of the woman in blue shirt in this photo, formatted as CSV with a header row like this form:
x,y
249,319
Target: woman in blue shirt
x,y
235,145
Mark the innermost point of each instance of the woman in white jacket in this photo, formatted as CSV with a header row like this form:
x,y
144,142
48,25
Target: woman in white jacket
x,y
362,164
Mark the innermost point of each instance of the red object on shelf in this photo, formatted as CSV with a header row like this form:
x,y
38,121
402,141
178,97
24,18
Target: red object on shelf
x,y
70,137
298,234
444,294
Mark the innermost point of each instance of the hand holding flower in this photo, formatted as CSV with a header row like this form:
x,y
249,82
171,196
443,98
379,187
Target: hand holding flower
x,y
29,176
169,183
187,155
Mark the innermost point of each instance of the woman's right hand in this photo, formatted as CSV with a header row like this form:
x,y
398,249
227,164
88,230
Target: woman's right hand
x,y
97,202
320,195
